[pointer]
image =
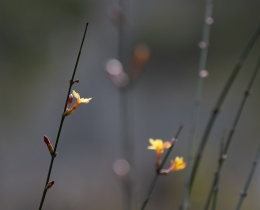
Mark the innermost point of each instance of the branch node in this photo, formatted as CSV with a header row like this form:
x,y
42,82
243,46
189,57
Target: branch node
x,y
223,157
209,20
248,92
54,154
216,188
255,162
216,110
243,193
74,81
203,45
173,141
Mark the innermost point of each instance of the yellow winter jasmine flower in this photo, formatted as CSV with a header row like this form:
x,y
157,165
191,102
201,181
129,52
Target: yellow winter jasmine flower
x,y
78,102
158,145
176,165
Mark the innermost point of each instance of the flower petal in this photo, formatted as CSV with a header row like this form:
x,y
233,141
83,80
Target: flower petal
x,y
179,163
84,100
158,143
76,95
167,144
151,141
151,147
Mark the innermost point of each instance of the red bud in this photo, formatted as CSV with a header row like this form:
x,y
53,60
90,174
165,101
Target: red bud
x,y
46,140
49,185
48,143
70,99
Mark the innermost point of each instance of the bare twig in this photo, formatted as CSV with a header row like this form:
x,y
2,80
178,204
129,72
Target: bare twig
x,y
62,120
202,73
231,132
243,193
220,101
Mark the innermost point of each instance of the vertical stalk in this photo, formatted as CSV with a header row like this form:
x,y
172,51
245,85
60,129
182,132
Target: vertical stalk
x,y
195,112
126,145
231,132
126,112
243,193
62,120
159,169
220,101
221,156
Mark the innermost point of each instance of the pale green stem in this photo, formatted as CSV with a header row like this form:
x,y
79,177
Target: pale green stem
x,y
243,193
202,66
231,132
220,101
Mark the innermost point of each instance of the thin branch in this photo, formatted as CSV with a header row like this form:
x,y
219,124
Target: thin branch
x,y
202,66
231,132
243,193
159,169
126,109
220,101
62,120
221,156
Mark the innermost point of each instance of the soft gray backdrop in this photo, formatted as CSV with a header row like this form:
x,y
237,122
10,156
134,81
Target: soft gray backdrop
x,y
39,41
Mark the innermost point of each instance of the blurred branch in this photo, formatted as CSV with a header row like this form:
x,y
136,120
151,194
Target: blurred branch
x,y
125,81
62,120
202,73
221,99
243,193
221,156
231,132
120,78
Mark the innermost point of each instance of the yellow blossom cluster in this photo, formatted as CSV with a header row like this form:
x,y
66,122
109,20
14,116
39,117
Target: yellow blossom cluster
x,y
159,146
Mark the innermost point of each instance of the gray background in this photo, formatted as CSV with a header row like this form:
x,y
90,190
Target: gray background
x,y
39,41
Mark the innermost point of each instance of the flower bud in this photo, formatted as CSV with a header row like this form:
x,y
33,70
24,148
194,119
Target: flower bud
x,y
70,99
48,143
49,185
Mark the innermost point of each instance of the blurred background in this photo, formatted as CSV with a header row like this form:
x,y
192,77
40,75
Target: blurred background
x,y
39,42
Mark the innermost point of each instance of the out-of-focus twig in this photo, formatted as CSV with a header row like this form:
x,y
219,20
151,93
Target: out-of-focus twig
x,y
231,132
202,73
243,193
220,101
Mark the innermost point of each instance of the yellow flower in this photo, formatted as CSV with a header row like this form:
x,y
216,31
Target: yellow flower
x,y
158,145
178,164
78,102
